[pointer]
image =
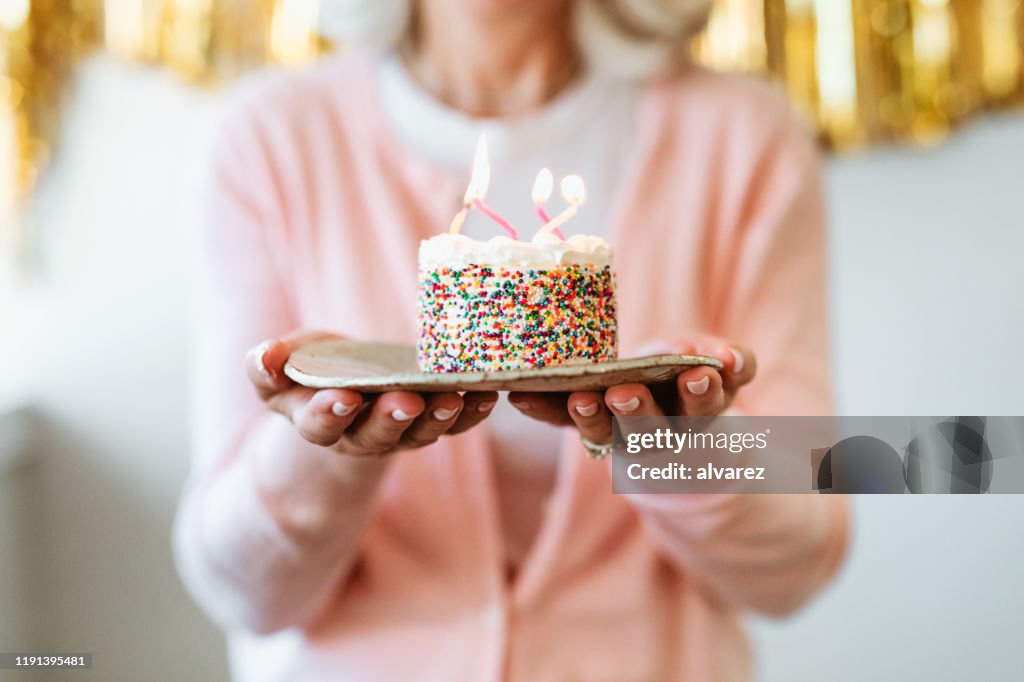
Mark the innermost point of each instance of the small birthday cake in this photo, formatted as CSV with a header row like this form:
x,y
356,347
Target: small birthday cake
x,y
505,304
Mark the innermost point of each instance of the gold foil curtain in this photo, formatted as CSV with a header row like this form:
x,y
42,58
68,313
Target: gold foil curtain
x,y
866,71
862,71
203,41
212,40
39,41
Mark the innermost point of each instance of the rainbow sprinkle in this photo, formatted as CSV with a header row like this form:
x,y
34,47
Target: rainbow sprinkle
x,y
485,318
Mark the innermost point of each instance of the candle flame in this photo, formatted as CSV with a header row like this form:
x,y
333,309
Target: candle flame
x,y
573,190
574,193
481,176
543,186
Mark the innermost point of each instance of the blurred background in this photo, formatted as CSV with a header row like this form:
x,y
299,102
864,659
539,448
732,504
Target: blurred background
x,y
105,112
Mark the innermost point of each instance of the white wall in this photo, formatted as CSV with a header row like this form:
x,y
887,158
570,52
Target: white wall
x,y
927,308
928,305
17,587
98,339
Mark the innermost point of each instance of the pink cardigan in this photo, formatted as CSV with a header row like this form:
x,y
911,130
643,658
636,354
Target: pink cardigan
x,y
314,220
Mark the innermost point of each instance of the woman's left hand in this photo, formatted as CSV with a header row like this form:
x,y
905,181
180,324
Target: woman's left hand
x,y
698,392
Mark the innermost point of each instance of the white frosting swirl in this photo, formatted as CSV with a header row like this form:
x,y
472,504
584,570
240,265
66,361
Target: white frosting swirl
x,y
545,250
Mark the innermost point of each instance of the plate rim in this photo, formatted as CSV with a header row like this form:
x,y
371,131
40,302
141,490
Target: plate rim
x,y
503,376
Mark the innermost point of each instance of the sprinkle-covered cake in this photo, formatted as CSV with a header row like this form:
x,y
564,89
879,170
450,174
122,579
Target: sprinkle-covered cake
x,y
505,304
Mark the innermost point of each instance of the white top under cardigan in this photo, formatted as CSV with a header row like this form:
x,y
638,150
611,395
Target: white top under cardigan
x,y
585,130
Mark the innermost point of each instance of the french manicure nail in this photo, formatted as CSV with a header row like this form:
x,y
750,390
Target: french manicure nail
x,y
443,415
628,406
401,416
738,361
587,410
699,387
261,366
342,410
483,407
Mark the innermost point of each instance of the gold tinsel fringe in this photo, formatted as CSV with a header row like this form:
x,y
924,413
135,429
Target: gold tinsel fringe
x,y
862,71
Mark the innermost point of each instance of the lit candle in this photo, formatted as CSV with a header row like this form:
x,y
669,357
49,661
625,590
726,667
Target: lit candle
x,y
542,187
574,192
474,197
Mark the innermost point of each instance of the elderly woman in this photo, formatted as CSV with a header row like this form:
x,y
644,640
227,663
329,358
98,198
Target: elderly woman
x,y
450,537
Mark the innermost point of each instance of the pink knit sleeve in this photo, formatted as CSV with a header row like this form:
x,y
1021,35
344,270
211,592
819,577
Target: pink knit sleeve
x,y
768,553
242,565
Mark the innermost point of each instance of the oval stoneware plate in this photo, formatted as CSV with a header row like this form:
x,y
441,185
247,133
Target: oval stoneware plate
x,y
379,367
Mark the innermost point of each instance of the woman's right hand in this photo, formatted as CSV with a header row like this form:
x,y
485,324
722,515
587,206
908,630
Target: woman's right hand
x,y
354,424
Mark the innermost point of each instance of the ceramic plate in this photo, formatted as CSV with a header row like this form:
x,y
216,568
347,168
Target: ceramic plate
x,y
379,367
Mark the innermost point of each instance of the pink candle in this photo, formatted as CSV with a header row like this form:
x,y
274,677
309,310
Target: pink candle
x,y
545,219
541,192
573,191
486,210
474,197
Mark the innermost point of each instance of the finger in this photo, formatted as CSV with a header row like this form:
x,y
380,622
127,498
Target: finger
x,y
741,370
701,393
324,417
477,405
631,400
264,364
439,414
290,401
739,362
267,379
546,407
379,428
591,417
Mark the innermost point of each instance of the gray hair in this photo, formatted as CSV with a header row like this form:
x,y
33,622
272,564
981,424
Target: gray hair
x,y
620,38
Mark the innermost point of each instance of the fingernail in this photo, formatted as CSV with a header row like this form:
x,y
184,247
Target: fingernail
x,y
342,410
699,387
443,415
588,410
520,406
737,365
483,407
401,416
261,366
628,406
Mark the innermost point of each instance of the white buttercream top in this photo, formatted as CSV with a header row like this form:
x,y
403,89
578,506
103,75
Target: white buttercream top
x,y
544,250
